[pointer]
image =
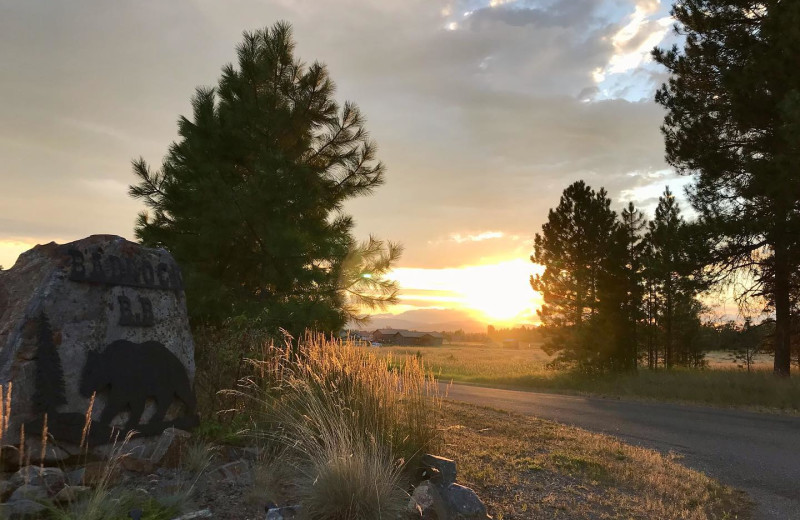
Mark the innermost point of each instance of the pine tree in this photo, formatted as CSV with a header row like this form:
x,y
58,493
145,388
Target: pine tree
x,y
632,225
573,248
249,200
673,264
733,119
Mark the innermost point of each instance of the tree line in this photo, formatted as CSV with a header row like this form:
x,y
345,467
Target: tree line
x,y
732,121
616,285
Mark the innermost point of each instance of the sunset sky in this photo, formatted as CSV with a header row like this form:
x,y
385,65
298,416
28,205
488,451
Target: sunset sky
x,y
484,111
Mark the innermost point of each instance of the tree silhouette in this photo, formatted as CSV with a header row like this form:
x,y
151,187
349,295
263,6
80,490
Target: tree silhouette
x,y
673,266
733,119
573,248
249,200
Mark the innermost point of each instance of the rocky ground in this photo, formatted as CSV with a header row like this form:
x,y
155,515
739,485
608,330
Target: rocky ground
x,y
521,468
174,477
187,478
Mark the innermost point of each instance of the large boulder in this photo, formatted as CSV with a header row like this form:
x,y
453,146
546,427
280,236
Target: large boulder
x,y
99,327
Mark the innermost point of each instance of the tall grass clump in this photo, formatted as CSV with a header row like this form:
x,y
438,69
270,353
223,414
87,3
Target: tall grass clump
x,y
347,424
105,501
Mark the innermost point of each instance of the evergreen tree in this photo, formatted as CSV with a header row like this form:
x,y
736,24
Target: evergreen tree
x,y
674,280
49,393
733,119
249,199
573,248
630,238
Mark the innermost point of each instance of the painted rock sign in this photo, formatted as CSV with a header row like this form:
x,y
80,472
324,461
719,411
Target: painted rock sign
x,y
97,325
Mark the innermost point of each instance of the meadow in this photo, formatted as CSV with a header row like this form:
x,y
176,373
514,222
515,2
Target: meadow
x,y
721,384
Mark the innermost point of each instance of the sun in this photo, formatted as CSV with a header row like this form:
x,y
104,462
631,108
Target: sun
x,y
496,293
500,293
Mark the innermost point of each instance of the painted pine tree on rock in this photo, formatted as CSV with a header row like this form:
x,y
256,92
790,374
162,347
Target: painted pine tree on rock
x,y
49,393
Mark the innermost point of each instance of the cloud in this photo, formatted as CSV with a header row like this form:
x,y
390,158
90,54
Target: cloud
x,y
481,128
479,237
647,27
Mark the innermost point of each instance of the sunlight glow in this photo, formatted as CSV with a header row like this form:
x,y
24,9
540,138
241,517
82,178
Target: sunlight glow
x,y
11,249
497,293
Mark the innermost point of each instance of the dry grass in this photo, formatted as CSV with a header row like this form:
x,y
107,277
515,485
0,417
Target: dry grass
x,y
527,368
343,473
391,401
529,468
105,501
342,424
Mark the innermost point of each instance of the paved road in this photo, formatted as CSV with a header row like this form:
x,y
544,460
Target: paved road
x,y
758,453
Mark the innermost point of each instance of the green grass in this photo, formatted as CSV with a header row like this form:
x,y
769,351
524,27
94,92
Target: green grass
x,y
721,385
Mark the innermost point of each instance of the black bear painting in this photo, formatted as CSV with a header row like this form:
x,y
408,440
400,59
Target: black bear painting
x,y
130,374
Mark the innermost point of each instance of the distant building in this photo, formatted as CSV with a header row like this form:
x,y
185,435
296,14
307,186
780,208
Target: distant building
x,y
406,337
356,336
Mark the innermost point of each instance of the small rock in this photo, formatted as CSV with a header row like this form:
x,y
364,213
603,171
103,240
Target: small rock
x,y
168,449
21,509
137,465
446,468
237,472
137,447
427,502
283,513
71,494
52,479
75,477
101,471
28,492
6,488
463,501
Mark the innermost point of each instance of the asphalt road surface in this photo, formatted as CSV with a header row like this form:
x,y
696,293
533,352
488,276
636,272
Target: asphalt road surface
x,y
755,452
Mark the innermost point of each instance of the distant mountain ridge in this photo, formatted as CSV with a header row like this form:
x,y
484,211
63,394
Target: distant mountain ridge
x,y
427,320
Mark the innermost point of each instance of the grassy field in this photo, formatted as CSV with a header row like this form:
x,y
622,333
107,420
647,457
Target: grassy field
x,y
525,468
721,385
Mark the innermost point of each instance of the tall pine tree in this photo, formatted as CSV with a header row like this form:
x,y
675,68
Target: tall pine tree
x,y
249,199
573,248
733,119
673,272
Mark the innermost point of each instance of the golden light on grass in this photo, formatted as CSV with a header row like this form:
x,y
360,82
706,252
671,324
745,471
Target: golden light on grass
x,y
525,467
498,293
